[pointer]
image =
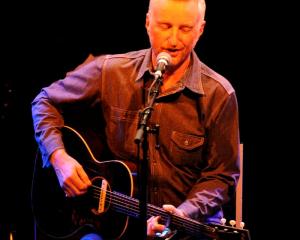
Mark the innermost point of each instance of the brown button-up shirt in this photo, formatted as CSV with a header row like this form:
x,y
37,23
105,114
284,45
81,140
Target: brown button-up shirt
x,y
196,164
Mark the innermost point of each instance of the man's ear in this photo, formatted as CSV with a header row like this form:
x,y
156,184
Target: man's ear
x,y
147,22
201,30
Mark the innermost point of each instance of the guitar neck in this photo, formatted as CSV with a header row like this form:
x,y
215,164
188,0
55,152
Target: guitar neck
x,y
130,206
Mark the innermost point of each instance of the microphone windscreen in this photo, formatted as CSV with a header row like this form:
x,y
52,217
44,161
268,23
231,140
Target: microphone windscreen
x,y
163,56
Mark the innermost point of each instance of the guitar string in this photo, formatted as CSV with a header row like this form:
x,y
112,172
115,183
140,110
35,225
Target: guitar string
x,y
119,205
193,225
155,210
120,200
195,228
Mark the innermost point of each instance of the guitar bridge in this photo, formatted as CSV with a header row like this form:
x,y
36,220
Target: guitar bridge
x,y
102,196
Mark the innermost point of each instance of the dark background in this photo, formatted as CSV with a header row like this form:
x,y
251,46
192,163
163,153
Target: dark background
x,y
41,42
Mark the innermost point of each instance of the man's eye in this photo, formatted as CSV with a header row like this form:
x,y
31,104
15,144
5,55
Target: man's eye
x,y
164,26
186,29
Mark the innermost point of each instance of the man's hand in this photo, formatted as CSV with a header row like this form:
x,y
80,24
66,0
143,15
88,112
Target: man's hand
x,y
71,176
154,228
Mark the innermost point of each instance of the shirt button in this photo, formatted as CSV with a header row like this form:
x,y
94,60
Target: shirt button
x,y
186,142
124,115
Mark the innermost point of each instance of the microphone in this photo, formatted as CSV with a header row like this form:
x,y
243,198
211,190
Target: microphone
x,y
162,61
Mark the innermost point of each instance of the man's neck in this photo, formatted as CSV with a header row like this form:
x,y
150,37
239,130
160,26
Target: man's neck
x,y
172,78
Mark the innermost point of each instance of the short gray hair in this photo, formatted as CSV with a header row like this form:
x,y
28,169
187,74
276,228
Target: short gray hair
x,y
201,6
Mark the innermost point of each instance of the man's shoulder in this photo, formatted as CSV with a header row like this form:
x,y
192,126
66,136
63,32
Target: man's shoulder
x,y
128,55
216,78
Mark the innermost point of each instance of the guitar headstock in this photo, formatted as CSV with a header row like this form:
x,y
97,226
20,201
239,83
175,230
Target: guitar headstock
x,y
232,231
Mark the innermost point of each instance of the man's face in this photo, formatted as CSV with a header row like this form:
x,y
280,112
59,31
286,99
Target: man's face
x,y
174,27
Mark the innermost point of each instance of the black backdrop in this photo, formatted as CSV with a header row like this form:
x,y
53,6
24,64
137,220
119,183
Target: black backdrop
x,y
41,42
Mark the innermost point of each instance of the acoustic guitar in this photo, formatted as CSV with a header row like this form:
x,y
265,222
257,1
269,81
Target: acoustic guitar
x,y
107,205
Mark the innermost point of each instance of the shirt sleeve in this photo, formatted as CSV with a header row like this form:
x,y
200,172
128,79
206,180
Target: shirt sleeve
x,y
80,88
219,178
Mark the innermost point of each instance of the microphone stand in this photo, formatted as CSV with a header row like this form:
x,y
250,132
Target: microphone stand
x,y
141,136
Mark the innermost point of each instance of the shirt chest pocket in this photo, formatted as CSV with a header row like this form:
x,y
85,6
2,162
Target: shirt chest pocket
x,y
186,149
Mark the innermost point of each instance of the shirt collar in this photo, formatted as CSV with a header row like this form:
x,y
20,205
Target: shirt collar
x,y
192,79
146,65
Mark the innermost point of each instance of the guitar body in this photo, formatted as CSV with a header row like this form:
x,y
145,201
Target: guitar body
x,y
59,217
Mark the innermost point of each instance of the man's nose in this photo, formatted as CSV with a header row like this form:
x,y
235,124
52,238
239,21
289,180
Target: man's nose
x,y
173,37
